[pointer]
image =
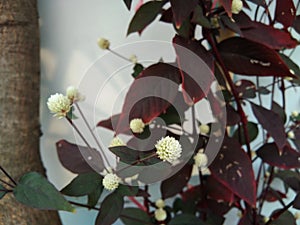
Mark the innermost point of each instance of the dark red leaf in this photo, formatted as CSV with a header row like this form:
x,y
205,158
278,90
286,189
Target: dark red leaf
x,y
285,12
272,123
245,89
257,59
287,159
227,6
218,191
233,117
150,94
233,168
182,9
296,204
176,183
144,16
197,67
247,219
265,34
128,3
79,159
274,195
296,24
110,123
279,110
167,16
218,208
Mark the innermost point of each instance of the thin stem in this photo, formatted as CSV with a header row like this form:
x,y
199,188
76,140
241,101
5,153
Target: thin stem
x,y
84,205
8,184
265,190
8,176
119,55
146,200
279,213
92,133
137,203
234,92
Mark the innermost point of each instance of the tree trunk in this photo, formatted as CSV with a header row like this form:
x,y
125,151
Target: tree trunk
x,y
19,105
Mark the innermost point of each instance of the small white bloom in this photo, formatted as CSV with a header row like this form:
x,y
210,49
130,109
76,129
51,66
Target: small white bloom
x,y
295,114
201,159
291,135
137,125
236,6
204,129
116,141
297,215
103,43
133,59
160,203
59,104
111,181
160,214
73,94
168,149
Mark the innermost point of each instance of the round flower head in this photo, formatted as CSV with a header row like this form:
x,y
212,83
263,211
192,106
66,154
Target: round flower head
x,y
204,129
201,159
111,181
291,135
137,125
59,104
295,114
236,6
103,43
74,95
116,141
133,59
160,203
160,214
168,149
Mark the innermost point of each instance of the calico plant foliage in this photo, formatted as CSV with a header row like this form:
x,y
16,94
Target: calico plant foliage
x,y
241,43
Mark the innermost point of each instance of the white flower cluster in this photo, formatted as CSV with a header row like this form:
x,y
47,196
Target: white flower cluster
x,y
160,214
103,43
168,149
111,181
237,6
201,159
115,142
60,104
137,125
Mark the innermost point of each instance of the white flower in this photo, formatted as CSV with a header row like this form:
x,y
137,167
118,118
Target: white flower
x,y
59,104
160,214
103,43
168,149
111,181
236,6
137,125
116,141
291,135
133,59
201,159
160,203
297,215
295,114
73,94
204,129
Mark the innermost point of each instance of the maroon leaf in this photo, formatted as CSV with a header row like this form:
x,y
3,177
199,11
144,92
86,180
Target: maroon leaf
x,y
285,12
272,123
128,3
151,93
274,195
296,204
176,183
233,168
287,159
257,59
227,6
196,65
182,9
167,16
233,117
265,34
218,191
245,89
74,158
110,123
296,24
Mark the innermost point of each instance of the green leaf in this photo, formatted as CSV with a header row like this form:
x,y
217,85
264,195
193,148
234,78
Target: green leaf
x,y
137,69
135,216
35,190
144,16
199,18
284,219
111,209
93,197
2,191
83,184
252,131
125,190
292,66
183,218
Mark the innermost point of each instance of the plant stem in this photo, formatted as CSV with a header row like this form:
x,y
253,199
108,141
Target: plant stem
x,y
84,205
235,94
119,55
8,184
93,135
8,176
279,213
137,203
266,189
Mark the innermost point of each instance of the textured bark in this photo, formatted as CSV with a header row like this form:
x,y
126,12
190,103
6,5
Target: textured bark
x,y
19,105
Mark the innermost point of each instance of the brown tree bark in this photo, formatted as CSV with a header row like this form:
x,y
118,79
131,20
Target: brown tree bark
x,y
19,105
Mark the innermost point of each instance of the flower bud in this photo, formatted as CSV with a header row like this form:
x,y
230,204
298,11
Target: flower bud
x,y
236,6
103,43
160,203
137,125
160,214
